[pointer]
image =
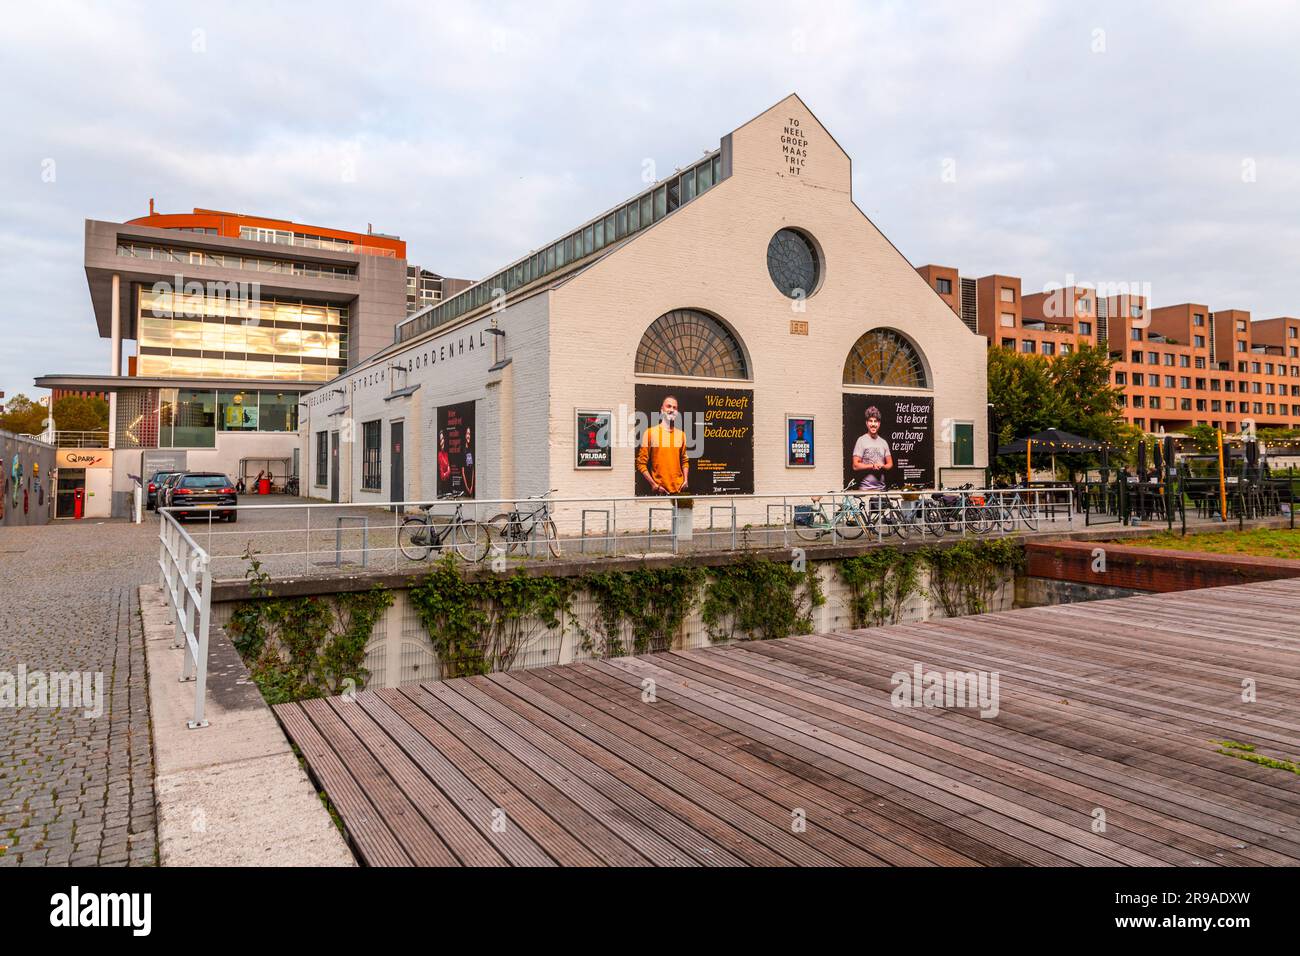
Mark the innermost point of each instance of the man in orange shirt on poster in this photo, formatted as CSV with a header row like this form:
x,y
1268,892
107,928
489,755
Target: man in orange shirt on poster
x,y
662,458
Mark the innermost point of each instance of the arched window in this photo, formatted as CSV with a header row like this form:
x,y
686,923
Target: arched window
x,y
689,342
883,357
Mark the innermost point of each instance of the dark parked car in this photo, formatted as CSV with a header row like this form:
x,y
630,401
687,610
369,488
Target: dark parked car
x,y
165,489
154,486
202,494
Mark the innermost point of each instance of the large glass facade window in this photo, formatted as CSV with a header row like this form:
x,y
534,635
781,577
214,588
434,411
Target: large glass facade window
x,y
279,412
238,411
223,260
226,336
187,418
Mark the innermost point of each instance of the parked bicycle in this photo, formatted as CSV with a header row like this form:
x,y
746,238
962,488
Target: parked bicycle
x,y
419,535
515,528
845,518
1005,510
889,514
291,485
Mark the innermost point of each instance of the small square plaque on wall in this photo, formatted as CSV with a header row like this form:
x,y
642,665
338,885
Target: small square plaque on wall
x,y
798,327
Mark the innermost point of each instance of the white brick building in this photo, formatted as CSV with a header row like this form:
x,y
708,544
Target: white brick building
x,y
572,317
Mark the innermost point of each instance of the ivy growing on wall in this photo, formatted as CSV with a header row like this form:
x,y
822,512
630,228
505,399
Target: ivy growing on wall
x,y
297,648
479,626
965,576
650,603
757,599
880,581
304,647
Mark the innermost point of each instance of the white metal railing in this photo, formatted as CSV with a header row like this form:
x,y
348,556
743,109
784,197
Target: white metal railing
x,y
295,540
80,439
187,582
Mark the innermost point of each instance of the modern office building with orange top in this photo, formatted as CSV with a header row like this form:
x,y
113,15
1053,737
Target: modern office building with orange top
x,y
1178,365
217,323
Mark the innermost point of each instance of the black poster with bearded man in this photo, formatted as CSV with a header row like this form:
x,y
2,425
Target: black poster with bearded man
x,y
708,451
888,442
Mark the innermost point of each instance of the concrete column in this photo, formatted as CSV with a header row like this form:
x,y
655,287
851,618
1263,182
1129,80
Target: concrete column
x,y
115,361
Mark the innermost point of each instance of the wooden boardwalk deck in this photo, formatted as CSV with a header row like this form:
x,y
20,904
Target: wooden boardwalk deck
x,y
1110,707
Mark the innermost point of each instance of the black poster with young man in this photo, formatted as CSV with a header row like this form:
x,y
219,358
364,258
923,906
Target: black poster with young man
x,y
709,450
455,439
888,442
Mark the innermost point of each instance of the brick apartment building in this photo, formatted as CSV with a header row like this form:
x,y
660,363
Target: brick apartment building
x,y
1178,365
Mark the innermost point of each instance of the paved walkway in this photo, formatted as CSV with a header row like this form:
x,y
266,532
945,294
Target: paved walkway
x,y
76,790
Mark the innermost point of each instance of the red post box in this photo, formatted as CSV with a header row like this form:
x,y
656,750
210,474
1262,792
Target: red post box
x,y
79,502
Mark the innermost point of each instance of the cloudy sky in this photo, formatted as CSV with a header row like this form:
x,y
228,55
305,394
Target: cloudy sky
x,y
1153,142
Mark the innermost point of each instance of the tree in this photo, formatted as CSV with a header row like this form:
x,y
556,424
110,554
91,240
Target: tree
x,y
1086,402
1072,392
22,416
1021,393
75,413
1204,438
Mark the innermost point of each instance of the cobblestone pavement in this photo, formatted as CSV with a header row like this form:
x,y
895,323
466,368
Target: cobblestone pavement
x,y
76,790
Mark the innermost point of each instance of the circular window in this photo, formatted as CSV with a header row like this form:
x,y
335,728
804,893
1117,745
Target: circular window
x,y
793,264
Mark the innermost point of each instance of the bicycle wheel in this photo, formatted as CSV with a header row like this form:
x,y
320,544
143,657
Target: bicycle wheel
x,y
507,532
932,522
816,526
1029,518
414,537
471,540
552,537
977,520
896,523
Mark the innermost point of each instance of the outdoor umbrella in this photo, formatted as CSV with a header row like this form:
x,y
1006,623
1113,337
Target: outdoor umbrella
x,y
1051,441
1142,459
1159,460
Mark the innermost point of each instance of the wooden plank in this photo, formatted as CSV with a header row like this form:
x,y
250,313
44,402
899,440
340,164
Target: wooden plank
x,y
477,752
1072,767
777,743
454,828
857,823
513,843
601,771
362,823
753,840
1112,704
758,817
1077,723
418,839
498,786
1074,842
901,648
963,746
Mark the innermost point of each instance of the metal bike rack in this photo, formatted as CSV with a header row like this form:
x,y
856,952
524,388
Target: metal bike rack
x,y
787,519
338,539
650,528
582,542
729,509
